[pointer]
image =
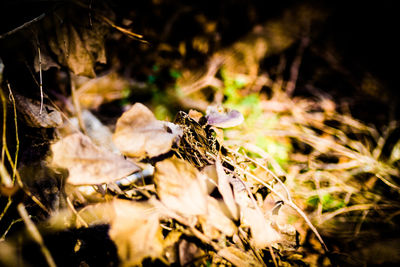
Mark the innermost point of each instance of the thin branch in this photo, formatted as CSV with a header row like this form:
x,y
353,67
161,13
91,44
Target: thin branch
x,y
294,69
78,217
3,237
12,99
26,24
288,202
40,76
271,251
266,169
361,207
123,30
34,232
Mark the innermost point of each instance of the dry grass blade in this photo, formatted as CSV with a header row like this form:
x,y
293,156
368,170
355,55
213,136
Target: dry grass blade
x,y
286,200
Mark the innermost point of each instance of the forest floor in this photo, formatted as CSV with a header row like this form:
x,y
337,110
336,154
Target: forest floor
x,y
173,134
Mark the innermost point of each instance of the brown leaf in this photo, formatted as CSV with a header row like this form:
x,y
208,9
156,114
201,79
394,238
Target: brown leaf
x,y
139,134
49,117
188,253
76,47
88,164
94,92
136,231
262,233
181,187
134,227
217,219
212,177
226,190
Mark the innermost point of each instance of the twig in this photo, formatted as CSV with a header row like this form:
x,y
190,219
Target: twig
x,y
277,85
266,169
40,76
288,202
9,158
397,188
123,30
11,96
33,231
5,177
208,79
3,237
329,215
359,224
271,251
294,69
6,208
4,138
26,24
90,14
244,238
78,217
383,139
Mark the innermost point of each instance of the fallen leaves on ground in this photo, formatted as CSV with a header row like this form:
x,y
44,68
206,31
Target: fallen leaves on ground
x,y
226,190
192,207
77,48
88,164
139,134
35,116
181,187
94,92
136,231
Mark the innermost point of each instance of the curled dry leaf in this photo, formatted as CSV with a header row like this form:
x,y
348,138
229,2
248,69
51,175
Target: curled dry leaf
x,y
88,164
181,187
136,231
139,134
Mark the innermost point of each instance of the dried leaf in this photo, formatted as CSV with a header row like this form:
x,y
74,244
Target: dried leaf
x,y
100,134
217,219
188,253
226,190
76,47
94,92
139,134
49,117
136,231
170,245
181,187
238,257
262,233
212,177
88,164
